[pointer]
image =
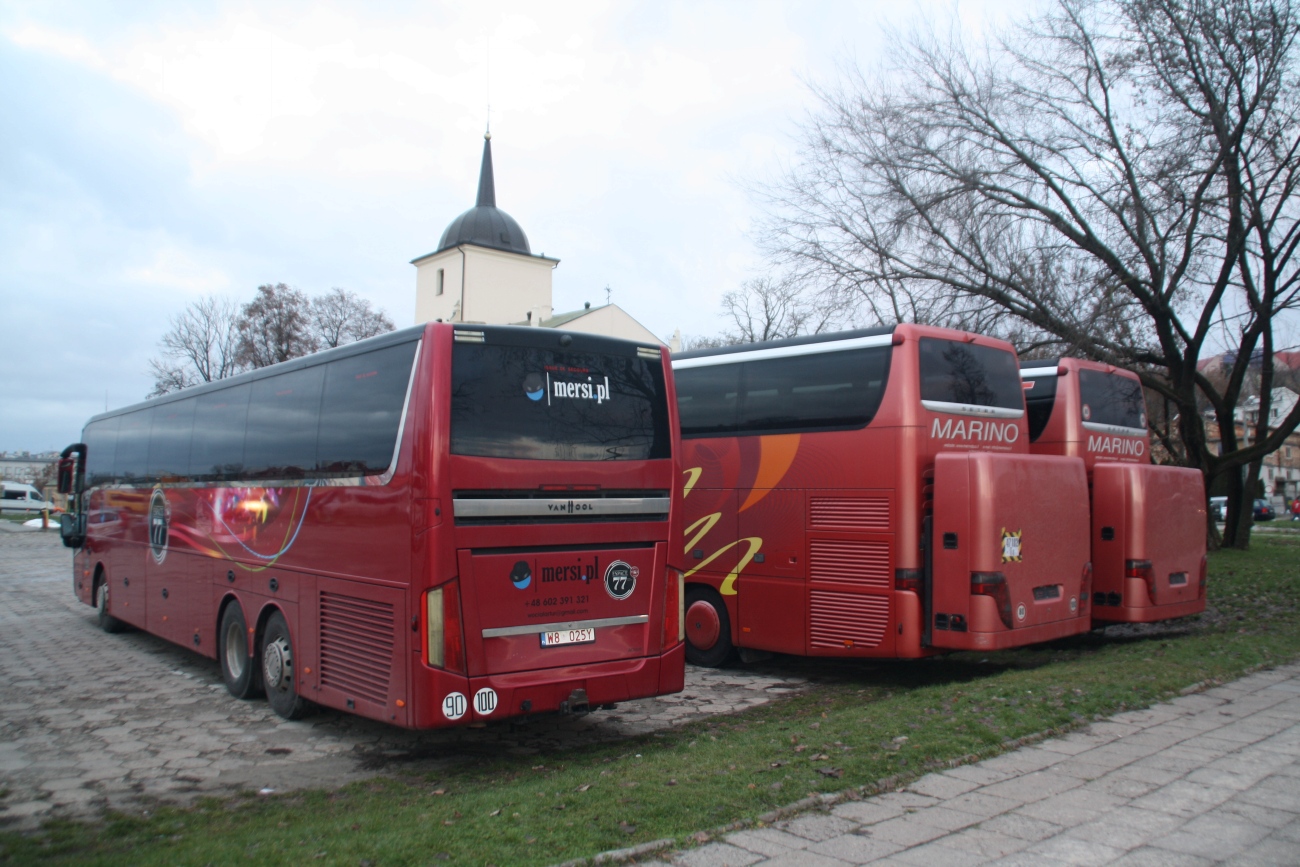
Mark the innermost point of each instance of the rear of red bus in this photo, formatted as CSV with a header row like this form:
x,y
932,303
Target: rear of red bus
x,y
546,580
870,494
1148,522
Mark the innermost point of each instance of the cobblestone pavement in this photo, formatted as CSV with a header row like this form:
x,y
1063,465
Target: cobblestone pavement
x,y
1208,778
90,720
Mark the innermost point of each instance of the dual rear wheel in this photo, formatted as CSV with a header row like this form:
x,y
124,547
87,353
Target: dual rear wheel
x,y
271,670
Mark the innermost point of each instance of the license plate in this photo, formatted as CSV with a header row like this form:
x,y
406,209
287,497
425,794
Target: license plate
x,y
568,636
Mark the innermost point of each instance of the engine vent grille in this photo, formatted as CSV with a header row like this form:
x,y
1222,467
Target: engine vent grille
x,y
840,513
852,563
842,621
356,646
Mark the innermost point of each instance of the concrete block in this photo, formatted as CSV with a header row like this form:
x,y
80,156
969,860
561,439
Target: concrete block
x,y
1019,825
817,826
1216,837
867,812
1072,850
856,848
941,786
717,855
767,841
1073,807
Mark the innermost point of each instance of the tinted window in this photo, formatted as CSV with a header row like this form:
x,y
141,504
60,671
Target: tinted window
x,y
523,402
130,462
101,443
1109,398
217,448
959,372
824,391
707,398
283,420
362,411
1040,397
169,443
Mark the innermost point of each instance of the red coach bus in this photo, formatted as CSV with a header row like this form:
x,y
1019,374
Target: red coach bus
x,y
438,526
1148,521
871,494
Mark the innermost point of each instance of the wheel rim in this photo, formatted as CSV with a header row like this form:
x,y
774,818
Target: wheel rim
x,y
101,599
702,625
236,650
277,664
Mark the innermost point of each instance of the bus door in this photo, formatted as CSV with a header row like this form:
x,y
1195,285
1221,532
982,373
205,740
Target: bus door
x,y
1010,549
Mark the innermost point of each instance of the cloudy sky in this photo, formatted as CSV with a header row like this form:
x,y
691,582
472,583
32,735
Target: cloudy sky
x,y
153,153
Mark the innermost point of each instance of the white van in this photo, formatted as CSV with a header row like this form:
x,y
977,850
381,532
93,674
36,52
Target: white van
x,y
18,497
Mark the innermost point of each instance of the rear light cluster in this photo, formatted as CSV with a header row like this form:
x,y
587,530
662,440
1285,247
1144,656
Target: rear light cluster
x,y
674,609
909,579
446,638
994,585
1142,569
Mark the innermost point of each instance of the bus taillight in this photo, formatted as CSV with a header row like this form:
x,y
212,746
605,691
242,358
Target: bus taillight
x,y
993,584
446,639
911,580
1142,569
674,609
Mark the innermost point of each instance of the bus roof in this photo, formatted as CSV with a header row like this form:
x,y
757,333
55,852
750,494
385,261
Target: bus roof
x,y
831,337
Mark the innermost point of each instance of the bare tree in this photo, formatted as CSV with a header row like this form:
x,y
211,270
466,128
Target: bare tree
x,y
275,326
339,317
769,309
201,346
1115,178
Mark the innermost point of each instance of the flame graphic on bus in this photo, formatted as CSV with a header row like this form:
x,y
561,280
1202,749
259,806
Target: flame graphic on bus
x,y
262,523
776,455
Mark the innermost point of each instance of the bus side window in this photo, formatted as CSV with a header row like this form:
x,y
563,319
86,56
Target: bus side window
x,y
169,444
131,461
217,448
283,421
101,445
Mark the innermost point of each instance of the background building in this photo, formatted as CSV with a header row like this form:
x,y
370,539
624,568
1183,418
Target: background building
x,y
484,271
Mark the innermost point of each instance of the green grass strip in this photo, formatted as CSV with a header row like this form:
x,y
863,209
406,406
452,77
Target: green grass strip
x,y
863,723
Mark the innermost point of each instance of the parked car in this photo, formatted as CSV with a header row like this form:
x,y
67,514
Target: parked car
x,y
1263,511
18,497
1218,507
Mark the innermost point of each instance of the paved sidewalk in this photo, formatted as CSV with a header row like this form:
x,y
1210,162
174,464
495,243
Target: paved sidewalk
x,y
1208,778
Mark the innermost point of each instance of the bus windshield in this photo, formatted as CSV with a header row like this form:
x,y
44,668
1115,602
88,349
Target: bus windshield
x,y
540,404
1111,399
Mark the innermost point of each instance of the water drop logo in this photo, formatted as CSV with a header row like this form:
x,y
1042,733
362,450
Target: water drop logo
x,y
522,575
534,387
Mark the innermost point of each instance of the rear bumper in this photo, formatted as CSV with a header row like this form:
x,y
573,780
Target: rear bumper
x,y
1146,613
1008,638
566,688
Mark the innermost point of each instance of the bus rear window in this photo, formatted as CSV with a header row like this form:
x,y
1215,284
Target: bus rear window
x,y
540,404
1111,399
954,372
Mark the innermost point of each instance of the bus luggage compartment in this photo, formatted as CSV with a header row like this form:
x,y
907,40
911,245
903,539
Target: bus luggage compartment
x,y
1009,548
1148,542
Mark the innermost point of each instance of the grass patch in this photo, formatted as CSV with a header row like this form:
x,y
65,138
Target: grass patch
x,y
870,722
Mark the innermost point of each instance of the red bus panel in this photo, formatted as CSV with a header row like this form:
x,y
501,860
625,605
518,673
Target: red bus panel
x,y
1148,521
1016,527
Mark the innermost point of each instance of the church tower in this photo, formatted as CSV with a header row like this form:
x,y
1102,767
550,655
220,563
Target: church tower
x,y
483,270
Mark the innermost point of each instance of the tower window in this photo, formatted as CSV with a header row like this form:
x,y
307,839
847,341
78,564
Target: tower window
x,y
438,290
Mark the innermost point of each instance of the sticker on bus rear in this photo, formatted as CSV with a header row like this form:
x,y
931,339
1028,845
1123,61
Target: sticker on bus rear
x,y
454,705
485,701
620,579
1011,545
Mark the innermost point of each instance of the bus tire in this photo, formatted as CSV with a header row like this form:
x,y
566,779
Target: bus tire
x,y
279,675
106,621
239,668
708,627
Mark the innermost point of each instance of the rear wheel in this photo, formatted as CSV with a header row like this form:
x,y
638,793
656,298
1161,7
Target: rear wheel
x,y
708,628
106,621
279,674
238,668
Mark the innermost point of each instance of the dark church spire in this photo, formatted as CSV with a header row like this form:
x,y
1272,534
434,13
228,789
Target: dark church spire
x,y
487,189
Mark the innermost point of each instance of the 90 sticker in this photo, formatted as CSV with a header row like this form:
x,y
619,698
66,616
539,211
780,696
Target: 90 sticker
x,y
454,705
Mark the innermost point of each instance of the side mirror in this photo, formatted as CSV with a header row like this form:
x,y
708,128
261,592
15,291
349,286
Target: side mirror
x,y
67,474
72,529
